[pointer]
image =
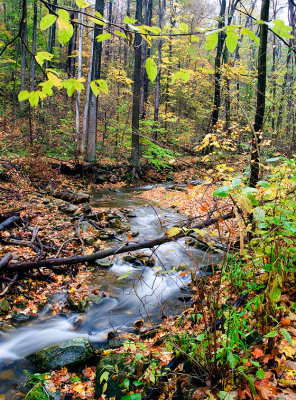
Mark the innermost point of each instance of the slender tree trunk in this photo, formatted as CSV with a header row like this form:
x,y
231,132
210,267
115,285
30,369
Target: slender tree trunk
x,y
217,90
108,42
148,8
92,125
86,107
34,46
128,13
24,35
51,35
135,156
161,10
170,55
261,88
79,74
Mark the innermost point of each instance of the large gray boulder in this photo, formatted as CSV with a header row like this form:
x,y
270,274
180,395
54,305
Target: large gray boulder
x,y
71,353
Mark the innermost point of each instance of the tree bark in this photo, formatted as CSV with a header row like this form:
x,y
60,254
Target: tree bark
x,y
51,35
92,114
24,35
34,46
135,156
161,10
79,75
261,88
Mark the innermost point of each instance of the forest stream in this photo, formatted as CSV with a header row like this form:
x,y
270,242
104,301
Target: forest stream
x,y
144,294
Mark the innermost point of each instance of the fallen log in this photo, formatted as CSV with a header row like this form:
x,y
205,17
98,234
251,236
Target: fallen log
x,y
5,260
53,262
9,222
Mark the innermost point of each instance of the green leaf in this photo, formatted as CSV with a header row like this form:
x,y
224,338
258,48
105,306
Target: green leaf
x,y
128,20
231,41
250,34
95,88
123,35
271,334
103,36
103,86
137,383
133,396
260,374
82,3
64,36
33,99
24,95
183,27
191,50
211,41
126,384
259,214
151,69
41,56
231,359
64,15
287,336
183,75
104,376
227,395
264,184
47,21
236,182
97,21
275,293
223,191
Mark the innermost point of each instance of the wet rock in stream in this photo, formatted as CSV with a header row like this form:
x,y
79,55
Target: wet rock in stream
x,y
71,353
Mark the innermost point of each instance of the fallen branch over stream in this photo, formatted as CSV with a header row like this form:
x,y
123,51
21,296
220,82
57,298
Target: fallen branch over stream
x,y
53,262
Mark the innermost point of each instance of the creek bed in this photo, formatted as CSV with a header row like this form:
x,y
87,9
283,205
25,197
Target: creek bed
x,y
144,294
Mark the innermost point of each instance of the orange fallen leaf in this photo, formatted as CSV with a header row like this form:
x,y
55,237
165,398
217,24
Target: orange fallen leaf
x,y
257,353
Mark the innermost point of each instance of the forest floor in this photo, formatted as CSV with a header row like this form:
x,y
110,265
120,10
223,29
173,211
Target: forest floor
x,y
263,370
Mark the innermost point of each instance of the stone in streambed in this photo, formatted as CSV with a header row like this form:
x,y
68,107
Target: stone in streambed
x,y
4,306
71,353
68,208
104,263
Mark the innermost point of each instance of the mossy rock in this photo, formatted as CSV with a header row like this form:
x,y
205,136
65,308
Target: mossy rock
x,y
71,353
4,306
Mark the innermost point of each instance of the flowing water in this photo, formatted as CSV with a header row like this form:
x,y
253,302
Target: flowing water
x,y
143,294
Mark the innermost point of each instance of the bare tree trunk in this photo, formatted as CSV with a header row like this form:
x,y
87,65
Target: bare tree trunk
x,y
34,46
51,35
128,13
23,47
135,156
148,8
92,125
217,90
261,88
161,11
86,107
79,74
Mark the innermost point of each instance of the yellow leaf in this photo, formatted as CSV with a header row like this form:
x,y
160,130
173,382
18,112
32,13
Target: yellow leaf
x,y
54,79
173,231
79,388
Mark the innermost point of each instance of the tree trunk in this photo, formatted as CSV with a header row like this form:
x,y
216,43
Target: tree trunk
x,y
86,107
148,8
261,88
217,90
34,46
23,47
135,156
51,35
92,114
79,74
161,10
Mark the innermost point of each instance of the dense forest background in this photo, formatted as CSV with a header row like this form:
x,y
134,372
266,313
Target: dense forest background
x,y
201,94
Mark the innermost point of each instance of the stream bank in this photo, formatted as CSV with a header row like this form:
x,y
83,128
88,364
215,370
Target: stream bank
x,y
145,293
